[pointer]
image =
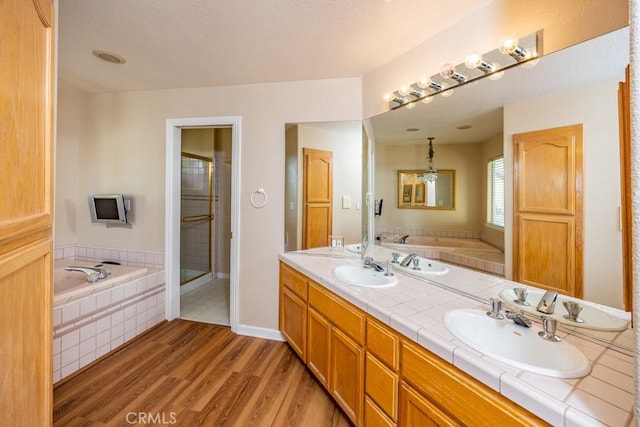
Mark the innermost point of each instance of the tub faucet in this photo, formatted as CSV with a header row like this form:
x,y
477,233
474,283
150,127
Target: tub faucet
x,y
93,274
403,239
547,302
407,260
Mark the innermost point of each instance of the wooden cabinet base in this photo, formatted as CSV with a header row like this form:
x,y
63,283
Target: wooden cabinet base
x,y
401,383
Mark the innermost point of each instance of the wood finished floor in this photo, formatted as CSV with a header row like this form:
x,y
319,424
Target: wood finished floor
x,y
195,374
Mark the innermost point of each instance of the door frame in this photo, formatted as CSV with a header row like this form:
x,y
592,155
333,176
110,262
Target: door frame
x,y
172,210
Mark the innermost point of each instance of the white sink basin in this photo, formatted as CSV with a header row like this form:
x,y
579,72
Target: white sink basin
x,y
355,248
425,267
515,345
366,277
594,317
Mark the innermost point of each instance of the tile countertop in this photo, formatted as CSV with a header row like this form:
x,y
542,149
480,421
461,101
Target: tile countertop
x,y
415,307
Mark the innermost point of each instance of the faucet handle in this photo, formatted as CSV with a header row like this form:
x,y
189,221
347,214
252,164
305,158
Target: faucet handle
x,y
496,306
549,327
389,271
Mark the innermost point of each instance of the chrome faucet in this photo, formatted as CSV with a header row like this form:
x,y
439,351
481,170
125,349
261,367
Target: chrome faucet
x,y
518,318
403,239
548,302
407,260
93,274
370,263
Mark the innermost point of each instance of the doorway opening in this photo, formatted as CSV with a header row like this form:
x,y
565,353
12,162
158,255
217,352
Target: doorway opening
x,y
200,225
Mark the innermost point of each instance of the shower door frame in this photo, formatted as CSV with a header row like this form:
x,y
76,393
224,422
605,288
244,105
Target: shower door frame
x,y
206,217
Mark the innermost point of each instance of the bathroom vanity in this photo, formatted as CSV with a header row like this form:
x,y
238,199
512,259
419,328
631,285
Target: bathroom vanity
x,y
386,361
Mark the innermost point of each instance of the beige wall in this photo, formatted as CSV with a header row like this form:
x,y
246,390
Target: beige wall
x,y
66,195
463,158
122,148
597,109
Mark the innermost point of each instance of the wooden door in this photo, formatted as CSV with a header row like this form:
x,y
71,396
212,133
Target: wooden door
x,y
317,212
26,135
548,209
624,114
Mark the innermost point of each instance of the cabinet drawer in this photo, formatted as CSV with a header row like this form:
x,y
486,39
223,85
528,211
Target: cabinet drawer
x,y
374,416
341,314
381,385
454,389
293,280
384,343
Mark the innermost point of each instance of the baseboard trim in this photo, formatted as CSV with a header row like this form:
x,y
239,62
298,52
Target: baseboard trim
x,y
257,332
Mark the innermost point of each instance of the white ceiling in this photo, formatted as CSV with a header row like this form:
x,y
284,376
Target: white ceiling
x,y
195,43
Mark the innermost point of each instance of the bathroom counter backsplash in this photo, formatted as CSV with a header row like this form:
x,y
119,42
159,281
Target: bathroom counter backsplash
x,y
415,309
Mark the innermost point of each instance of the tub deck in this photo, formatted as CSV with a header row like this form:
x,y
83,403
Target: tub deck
x,y
472,253
70,285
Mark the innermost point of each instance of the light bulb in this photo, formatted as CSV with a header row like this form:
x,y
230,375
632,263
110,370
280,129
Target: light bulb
x,y
387,97
411,105
427,100
473,60
404,90
424,82
447,70
509,45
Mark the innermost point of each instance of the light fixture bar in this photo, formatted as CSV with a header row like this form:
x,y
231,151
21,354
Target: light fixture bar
x,y
479,67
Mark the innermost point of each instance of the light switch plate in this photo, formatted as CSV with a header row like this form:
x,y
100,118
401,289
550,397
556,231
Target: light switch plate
x,y
346,202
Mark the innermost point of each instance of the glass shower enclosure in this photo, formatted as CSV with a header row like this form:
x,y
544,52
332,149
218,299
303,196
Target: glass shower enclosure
x,y
196,216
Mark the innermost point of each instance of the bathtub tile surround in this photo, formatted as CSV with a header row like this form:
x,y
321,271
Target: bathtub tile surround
x,y
98,254
487,257
604,397
88,327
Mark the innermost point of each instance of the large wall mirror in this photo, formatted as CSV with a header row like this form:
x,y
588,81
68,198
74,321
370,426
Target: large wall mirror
x,y
476,124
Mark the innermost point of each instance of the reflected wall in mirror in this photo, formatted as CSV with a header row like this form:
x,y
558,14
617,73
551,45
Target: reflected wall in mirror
x,y
439,194
575,86
344,140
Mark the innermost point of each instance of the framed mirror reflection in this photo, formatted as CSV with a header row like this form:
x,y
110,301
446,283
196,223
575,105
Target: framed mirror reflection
x,y
414,193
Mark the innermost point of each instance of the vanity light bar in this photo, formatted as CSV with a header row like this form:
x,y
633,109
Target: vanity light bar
x,y
513,52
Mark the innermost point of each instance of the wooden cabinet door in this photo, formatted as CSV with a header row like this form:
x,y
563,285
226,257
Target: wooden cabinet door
x,y
318,346
381,385
374,416
26,173
293,321
416,411
346,378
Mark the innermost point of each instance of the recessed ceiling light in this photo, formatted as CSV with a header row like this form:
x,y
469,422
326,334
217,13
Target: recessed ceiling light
x,y
412,129
463,127
114,58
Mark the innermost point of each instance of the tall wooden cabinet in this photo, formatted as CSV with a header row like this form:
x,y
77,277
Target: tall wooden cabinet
x,y
26,138
378,377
